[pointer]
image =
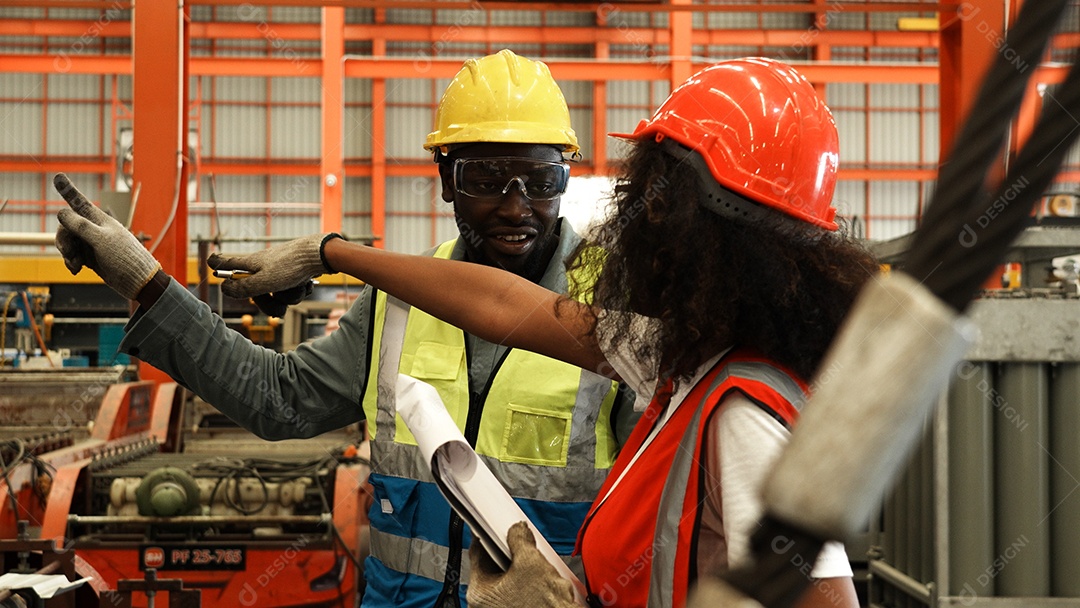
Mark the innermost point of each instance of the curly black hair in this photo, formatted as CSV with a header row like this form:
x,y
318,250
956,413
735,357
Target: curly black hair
x,y
712,282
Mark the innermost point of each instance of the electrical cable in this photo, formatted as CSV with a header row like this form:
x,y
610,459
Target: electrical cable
x,y
274,471
175,205
3,327
34,327
38,468
5,469
338,540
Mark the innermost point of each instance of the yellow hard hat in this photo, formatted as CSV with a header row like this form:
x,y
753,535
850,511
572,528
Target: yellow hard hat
x,y
502,98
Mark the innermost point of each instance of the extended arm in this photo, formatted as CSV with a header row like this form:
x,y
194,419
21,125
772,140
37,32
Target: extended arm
x,y
314,389
490,303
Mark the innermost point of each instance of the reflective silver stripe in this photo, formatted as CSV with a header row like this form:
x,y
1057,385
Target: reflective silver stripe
x,y
393,340
666,537
592,389
534,482
577,483
414,556
399,460
771,376
427,559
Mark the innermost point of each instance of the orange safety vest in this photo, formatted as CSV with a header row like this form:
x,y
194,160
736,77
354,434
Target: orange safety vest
x,y
639,544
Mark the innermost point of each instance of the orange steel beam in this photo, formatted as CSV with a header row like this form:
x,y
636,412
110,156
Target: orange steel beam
x,y
102,4
66,28
820,50
332,160
65,64
363,168
378,145
964,56
394,67
54,164
1030,107
681,46
435,67
268,66
501,34
526,6
649,7
886,174
159,51
600,107
159,117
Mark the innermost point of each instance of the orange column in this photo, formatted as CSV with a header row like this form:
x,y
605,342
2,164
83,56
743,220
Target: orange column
x,y
332,163
378,143
821,52
966,51
681,47
159,66
159,119
599,94
1031,106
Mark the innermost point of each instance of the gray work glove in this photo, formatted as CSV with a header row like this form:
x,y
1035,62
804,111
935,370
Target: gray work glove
x,y
530,581
89,237
284,272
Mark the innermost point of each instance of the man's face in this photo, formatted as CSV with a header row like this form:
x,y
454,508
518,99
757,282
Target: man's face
x,y
513,230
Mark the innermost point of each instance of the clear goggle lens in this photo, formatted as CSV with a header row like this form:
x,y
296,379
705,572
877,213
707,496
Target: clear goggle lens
x,y
491,178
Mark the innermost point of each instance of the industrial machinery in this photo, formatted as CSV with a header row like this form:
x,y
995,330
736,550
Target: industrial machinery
x,y
246,522
140,488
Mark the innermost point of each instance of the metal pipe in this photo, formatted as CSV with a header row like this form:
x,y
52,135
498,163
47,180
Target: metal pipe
x,y
902,524
362,238
970,526
1022,481
926,505
49,238
1065,450
27,238
888,542
901,581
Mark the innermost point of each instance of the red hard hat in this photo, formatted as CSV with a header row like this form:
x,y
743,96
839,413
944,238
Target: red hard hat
x,y
763,132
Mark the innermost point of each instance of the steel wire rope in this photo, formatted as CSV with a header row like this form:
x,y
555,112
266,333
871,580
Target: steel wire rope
x,y
960,197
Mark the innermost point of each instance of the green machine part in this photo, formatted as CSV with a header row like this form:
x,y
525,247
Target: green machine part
x,y
166,492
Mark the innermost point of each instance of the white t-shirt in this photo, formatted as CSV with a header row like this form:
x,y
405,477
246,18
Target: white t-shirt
x,y
746,442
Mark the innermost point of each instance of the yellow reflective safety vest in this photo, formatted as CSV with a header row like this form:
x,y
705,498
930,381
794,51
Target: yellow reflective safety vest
x,y
542,426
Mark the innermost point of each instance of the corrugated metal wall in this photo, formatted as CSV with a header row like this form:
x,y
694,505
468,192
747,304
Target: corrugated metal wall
x,y
988,513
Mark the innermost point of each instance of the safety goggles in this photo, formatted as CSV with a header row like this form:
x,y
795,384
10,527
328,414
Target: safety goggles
x,y
492,178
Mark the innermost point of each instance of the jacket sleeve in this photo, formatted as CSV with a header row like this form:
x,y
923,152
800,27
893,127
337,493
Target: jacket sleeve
x,y
303,393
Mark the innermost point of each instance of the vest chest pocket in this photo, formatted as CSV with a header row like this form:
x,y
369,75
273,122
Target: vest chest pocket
x,y
536,436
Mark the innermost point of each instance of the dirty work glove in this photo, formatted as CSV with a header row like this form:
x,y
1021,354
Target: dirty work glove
x,y
88,236
530,581
277,269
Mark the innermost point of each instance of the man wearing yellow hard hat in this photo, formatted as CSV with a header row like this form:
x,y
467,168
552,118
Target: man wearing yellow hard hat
x,y
548,430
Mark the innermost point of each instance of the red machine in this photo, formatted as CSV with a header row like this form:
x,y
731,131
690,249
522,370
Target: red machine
x,y
151,500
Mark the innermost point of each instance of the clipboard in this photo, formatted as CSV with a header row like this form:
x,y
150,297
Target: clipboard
x,y
468,485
